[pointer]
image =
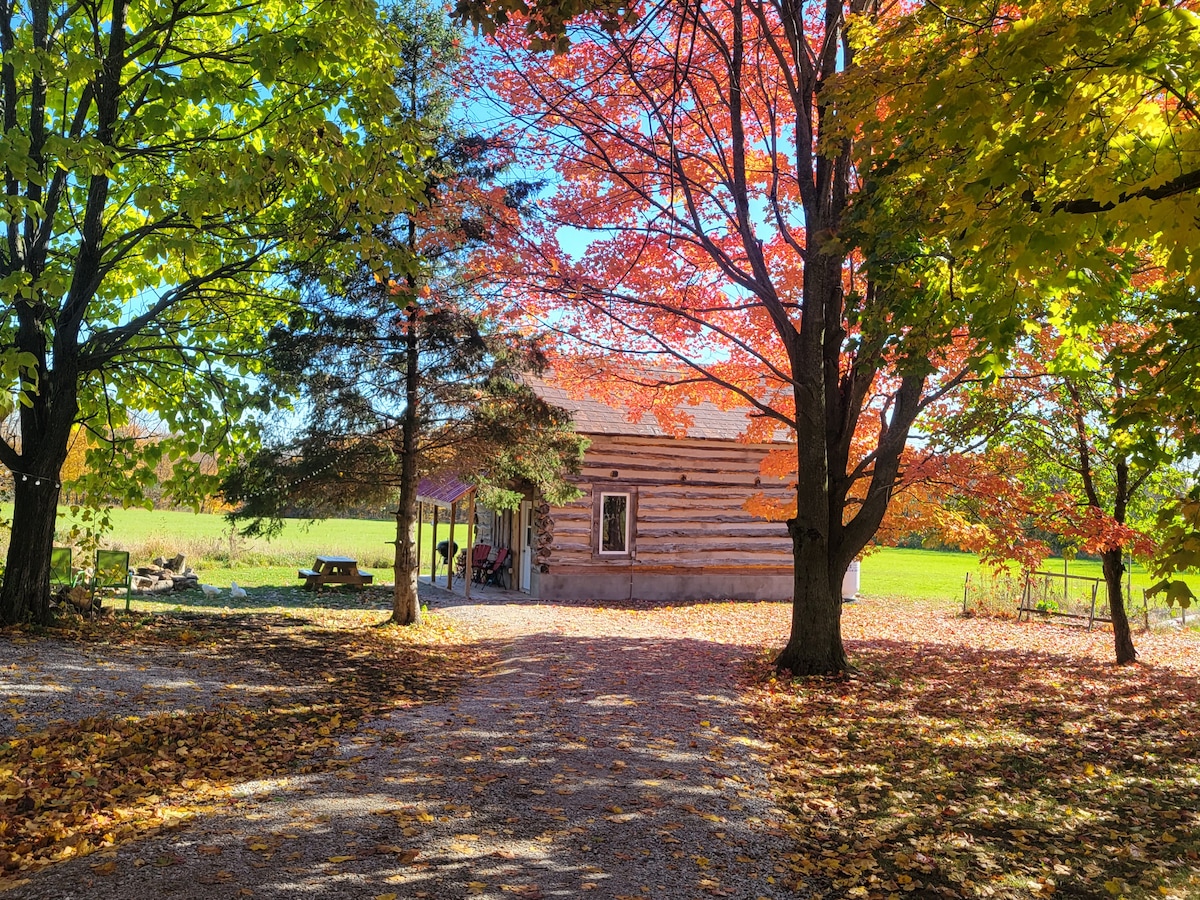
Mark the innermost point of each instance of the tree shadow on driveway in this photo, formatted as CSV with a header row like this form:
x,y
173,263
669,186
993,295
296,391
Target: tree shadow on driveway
x,y
573,766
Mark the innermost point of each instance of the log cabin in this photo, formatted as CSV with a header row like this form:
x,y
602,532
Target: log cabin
x,y
661,517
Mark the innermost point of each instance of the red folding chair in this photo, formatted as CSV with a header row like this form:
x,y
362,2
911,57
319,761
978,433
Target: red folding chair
x,y
492,576
479,561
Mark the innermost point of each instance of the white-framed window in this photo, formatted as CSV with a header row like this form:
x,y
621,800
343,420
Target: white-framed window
x,y
614,524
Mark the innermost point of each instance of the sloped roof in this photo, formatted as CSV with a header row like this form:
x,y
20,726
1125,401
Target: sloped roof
x,y
443,489
594,416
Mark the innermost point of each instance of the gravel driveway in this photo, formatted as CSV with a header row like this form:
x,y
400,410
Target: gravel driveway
x,y
600,758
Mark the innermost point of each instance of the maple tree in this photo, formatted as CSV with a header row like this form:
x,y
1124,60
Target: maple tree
x,y
1043,142
696,152
1164,369
1046,454
1053,151
163,164
74,467
1037,155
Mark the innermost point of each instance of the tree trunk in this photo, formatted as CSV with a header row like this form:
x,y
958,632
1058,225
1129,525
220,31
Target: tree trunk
x,y
406,604
25,595
1114,569
45,437
814,644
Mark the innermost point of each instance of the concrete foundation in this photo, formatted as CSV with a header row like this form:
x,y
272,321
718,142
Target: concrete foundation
x,y
663,587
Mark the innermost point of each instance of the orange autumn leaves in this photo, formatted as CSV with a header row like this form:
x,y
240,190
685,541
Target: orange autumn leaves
x,y
74,788
980,758
69,790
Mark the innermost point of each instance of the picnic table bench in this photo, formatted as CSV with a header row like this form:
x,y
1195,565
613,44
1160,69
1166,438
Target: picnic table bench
x,y
334,570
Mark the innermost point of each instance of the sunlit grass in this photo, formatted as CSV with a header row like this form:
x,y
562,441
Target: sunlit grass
x,y
940,575
221,555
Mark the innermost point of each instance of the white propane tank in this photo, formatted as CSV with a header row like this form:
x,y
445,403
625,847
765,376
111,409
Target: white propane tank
x,y
850,582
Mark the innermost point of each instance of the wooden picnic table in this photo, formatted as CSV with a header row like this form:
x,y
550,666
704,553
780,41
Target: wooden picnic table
x,y
334,570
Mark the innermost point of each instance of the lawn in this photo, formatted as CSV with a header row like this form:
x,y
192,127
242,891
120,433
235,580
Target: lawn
x,y
939,575
222,556
917,574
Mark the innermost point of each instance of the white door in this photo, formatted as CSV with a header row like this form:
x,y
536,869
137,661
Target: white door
x,y
526,545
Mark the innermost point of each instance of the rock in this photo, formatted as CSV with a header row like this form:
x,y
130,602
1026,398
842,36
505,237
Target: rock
x,y
166,575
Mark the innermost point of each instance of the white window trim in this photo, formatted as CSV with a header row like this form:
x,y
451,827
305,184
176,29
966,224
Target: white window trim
x,y
600,525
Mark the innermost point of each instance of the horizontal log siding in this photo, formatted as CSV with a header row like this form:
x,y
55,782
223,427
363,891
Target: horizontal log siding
x,y
695,524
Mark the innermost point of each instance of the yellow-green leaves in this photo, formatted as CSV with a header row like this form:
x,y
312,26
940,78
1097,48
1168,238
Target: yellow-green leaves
x,y
1173,591
1048,137
235,145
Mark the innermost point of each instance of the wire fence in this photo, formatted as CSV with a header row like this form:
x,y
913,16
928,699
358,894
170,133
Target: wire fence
x,y
1079,599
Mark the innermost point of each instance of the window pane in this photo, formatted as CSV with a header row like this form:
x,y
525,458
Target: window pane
x,y
612,522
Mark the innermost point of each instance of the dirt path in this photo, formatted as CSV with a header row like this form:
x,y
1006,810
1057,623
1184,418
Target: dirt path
x,y
601,757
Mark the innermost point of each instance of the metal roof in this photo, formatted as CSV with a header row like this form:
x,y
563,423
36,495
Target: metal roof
x,y
443,489
594,416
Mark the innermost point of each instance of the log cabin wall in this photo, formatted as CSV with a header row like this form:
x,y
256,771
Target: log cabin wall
x,y
689,536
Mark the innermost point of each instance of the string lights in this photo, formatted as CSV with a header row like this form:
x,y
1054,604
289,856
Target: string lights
x,y
37,479
312,474
287,486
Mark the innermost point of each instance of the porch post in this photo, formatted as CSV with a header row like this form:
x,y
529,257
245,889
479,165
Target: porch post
x,y
433,547
450,555
470,544
420,522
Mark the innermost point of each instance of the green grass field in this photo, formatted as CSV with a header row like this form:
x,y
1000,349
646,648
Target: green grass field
x,y
940,575
222,556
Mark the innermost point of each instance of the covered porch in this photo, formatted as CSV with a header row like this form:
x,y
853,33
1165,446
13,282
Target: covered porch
x,y
478,549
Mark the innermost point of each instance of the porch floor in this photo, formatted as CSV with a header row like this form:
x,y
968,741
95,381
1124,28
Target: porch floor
x,y
480,593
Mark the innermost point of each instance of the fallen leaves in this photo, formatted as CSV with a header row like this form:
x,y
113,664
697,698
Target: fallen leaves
x,y
405,857
969,756
73,788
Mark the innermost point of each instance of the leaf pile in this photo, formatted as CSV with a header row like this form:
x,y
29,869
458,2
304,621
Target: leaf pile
x,y
73,788
969,759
